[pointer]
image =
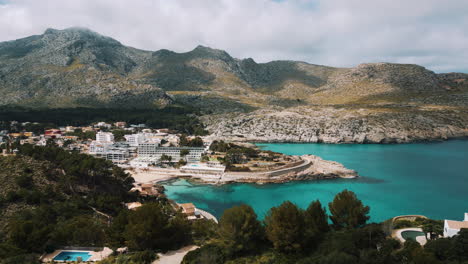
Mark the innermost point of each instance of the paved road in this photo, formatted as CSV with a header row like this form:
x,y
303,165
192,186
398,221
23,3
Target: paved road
x,y
175,256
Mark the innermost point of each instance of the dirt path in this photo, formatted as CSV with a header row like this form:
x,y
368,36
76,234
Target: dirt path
x,y
175,256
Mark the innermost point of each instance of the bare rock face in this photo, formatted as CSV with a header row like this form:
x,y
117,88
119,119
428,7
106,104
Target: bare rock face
x,y
74,67
329,125
275,101
408,77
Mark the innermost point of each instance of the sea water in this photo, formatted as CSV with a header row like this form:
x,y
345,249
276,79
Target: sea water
x,y
430,179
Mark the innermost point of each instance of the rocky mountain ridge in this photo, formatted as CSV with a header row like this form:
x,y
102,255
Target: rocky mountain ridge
x,y
274,101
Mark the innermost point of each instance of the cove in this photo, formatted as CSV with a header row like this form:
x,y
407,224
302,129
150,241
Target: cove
x,y
420,178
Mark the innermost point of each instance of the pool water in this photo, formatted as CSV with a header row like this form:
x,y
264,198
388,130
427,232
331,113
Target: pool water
x,y
411,235
72,256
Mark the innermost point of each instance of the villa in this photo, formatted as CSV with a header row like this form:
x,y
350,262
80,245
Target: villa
x,y
451,228
190,211
146,189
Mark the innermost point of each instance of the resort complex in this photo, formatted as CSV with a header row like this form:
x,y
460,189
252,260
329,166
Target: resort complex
x,y
308,149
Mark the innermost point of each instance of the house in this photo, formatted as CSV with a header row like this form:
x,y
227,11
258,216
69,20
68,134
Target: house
x,y
28,134
451,228
190,211
87,129
103,124
53,133
120,124
133,206
70,129
146,189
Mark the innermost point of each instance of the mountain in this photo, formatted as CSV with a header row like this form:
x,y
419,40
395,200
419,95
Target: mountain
x,y
278,100
73,67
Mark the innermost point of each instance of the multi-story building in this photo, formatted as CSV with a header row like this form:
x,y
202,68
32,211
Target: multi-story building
x,y
117,153
135,140
103,137
153,150
99,148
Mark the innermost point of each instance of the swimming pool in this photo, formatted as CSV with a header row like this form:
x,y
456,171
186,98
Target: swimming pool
x,y
411,235
72,256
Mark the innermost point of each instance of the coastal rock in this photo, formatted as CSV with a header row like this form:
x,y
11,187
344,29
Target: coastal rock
x,y
279,101
311,168
332,125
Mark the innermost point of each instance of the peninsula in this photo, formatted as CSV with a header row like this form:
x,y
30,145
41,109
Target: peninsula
x,y
307,167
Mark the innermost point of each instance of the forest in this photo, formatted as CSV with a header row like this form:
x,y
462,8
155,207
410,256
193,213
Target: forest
x,y
50,198
180,118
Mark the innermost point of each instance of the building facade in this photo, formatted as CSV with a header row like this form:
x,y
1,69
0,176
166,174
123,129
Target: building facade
x,y
104,137
135,140
451,228
154,151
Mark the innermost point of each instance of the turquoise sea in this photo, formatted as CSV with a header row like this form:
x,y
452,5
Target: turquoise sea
x,y
422,178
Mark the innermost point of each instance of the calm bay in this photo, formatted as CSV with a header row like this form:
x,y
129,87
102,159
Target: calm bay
x,y
421,178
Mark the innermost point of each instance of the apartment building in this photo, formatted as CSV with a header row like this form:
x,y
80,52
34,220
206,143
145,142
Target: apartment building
x,y
104,137
153,150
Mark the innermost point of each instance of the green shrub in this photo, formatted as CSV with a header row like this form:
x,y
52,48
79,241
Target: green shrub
x,y
24,181
403,224
144,257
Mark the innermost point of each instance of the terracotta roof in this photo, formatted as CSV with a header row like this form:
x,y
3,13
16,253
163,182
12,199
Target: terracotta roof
x,y
457,224
188,208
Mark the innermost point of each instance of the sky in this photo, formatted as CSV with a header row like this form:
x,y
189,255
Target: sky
x,y
341,33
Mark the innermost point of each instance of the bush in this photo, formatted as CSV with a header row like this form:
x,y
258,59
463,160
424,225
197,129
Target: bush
x,y
209,254
24,181
403,224
12,196
144,257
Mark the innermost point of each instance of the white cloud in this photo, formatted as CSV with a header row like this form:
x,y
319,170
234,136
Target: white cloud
x,y
330,32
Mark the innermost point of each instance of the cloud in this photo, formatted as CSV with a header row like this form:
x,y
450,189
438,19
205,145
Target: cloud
x,y
339,33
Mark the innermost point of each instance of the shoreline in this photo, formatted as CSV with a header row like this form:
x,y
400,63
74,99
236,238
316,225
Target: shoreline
x,y
311,168
385,142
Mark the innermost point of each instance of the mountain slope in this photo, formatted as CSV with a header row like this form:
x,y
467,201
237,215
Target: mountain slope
x,y
78,67
73,67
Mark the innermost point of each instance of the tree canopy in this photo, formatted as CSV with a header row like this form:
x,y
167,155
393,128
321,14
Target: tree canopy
x,y
285,227
239,228
347,211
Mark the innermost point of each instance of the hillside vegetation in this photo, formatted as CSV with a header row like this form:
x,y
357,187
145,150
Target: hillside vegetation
x,y
77,67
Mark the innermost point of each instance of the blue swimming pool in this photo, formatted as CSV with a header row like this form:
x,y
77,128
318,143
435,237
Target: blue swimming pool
x,y
411,235
72,256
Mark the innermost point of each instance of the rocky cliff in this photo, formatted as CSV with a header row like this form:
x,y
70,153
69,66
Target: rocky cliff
x,y
275,101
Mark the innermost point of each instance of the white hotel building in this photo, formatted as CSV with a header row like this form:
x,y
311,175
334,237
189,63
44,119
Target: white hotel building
x,y
104,137
134,140
153,151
